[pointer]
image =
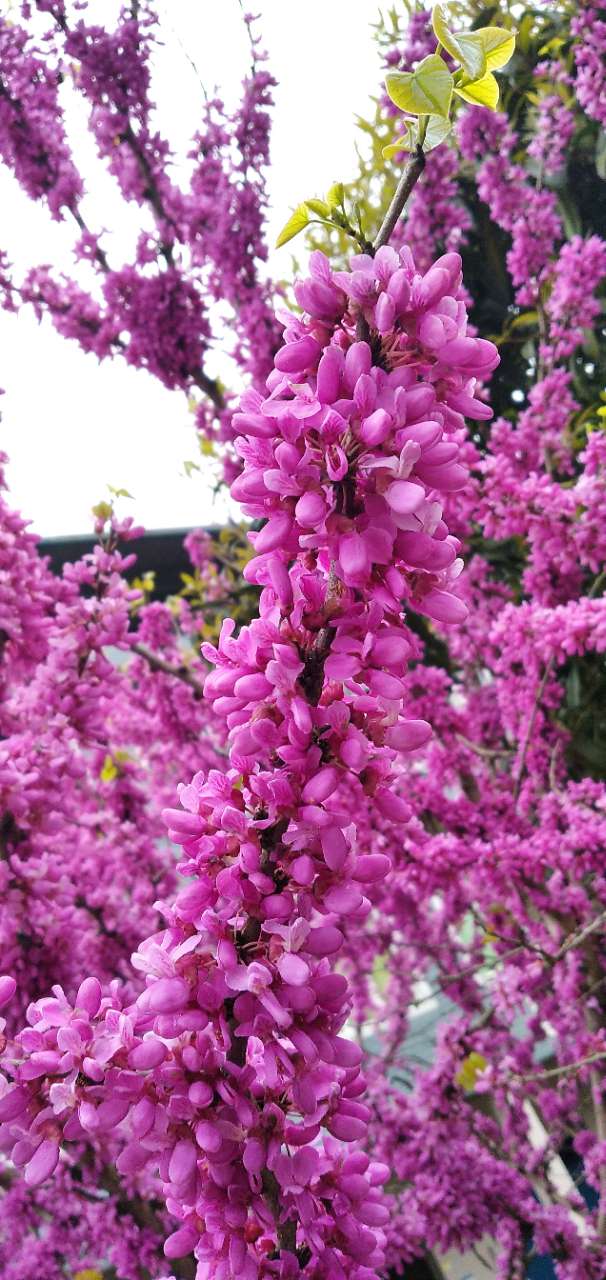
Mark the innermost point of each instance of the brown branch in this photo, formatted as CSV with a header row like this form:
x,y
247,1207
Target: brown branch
x,y
488,752
286,1231
529,729
407,182
157,663
578,938
552,1072
146,1217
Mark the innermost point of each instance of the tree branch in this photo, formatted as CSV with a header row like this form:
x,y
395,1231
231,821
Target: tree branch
x,y
531,722
407,182
157,663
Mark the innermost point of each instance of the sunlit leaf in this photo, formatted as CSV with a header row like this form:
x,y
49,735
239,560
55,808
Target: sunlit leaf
x,y
498,45
380,973
483,93
336,195
109,771
321,207
552,46
466,47
469,1071
425,91
406,142
437,131
145,583
296,223
525,320
119,493
102,510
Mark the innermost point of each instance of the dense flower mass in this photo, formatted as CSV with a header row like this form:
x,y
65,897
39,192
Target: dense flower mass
x,y
367,1021
201,242
231,1056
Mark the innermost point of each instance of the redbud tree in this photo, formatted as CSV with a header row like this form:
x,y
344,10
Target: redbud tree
x,y
384,774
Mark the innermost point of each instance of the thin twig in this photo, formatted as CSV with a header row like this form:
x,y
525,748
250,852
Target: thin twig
x,y
489,752
407,182
157,663
552,1072
529,729
578,938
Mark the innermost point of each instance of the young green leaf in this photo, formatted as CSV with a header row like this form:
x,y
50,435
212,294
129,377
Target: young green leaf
x,y
119,493
425,91
297,221
437,130
469,1071
102,510
498,45
465,47
483,93
407,142
336,195
321,207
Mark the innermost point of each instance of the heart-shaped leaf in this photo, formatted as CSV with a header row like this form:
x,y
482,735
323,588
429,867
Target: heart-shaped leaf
x,y
437,131
466,47
498,45
297,221
425,91
483,93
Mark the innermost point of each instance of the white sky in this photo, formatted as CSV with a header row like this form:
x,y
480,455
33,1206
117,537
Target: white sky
x,y
71,425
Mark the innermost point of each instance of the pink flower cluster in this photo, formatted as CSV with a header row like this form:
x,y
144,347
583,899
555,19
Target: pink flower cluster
x,y
230,1064
32,137
201,240
589,28
372,1023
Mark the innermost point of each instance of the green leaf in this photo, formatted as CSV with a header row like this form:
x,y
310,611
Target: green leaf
x,y
103,510
297,221
437,130
321,207
406,142
465,47
526,320
525,32
380,973
469,1071
119,493
498,45
484,92
552,46
109,770
425,91
336,195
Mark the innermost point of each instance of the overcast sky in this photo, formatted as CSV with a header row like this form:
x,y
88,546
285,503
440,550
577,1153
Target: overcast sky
x,y
72,426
